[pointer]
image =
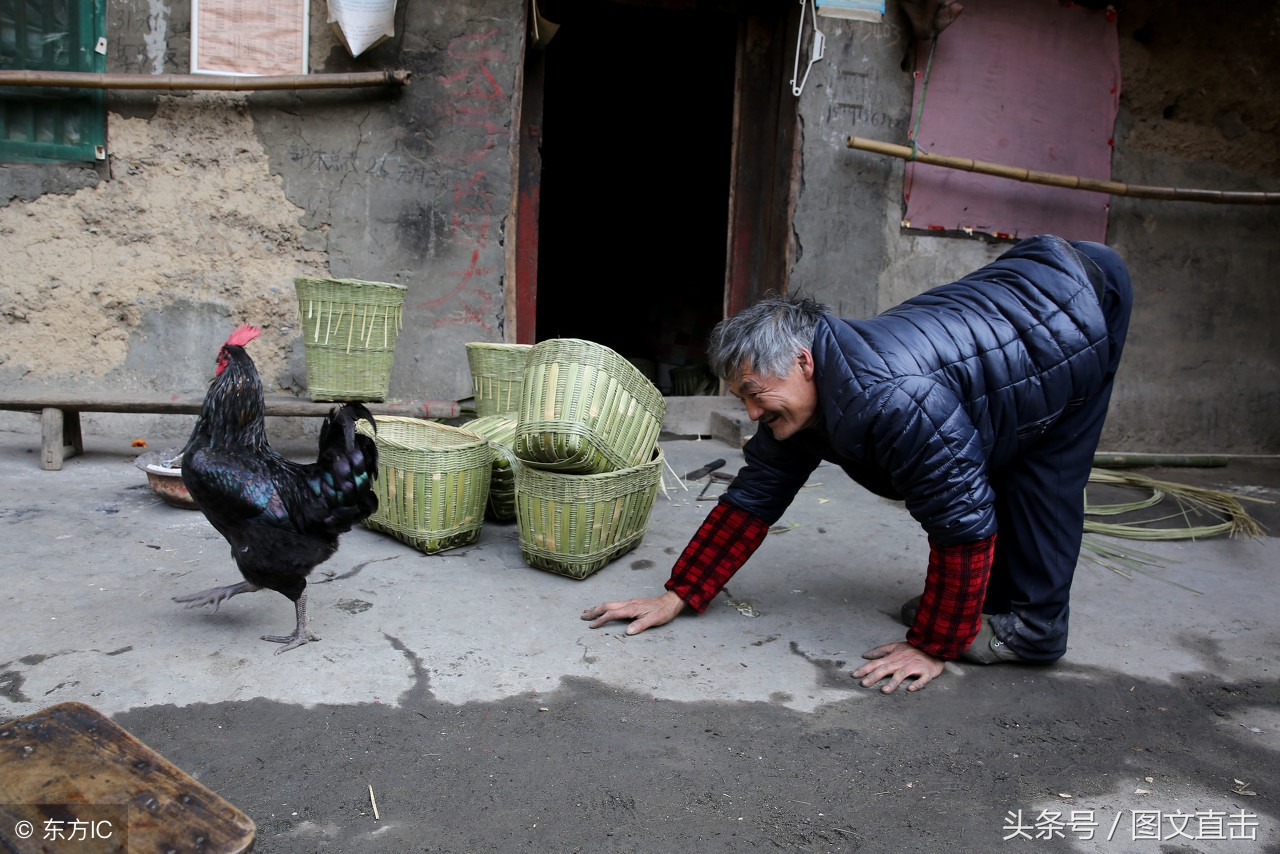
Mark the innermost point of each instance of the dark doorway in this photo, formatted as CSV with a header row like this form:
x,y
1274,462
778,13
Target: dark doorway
x,y
657,155
636,145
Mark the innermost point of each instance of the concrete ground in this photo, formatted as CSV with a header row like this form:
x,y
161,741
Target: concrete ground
x,y
486,716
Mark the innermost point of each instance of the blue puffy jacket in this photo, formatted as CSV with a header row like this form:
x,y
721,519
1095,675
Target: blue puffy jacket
x,y
923,402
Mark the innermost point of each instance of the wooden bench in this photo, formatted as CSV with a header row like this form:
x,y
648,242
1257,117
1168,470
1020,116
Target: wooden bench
x,y
60,435
72,780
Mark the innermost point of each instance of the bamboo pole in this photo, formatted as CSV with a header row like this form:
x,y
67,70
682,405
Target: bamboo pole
x,y
220,82
164,403
1135,460
1072,182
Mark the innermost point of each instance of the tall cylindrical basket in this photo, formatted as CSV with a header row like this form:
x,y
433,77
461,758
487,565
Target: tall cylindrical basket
x,y
349,329
500,430
433,482
574,524
497,375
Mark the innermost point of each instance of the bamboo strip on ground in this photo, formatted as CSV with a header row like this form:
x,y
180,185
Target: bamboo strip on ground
x,y
1193,503
1228,515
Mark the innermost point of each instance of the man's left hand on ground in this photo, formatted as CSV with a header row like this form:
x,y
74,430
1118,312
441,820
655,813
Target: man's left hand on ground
x,y
644,612
898,662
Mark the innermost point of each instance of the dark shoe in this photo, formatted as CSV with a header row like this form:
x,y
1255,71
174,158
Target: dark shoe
x,y
908,612
989,649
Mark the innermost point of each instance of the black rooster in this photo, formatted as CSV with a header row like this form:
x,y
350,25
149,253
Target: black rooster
x,y
281,518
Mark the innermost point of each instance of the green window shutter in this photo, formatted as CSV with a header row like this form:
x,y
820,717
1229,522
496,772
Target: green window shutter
x,y
54,123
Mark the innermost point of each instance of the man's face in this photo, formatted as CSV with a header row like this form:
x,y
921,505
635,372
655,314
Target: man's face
x,y
786,405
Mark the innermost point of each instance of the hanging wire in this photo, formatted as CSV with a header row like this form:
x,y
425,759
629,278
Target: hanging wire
x,y
914,132
924,88
816,52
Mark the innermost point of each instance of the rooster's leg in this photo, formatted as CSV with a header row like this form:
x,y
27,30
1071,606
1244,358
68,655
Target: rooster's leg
x,y
302,634
217,595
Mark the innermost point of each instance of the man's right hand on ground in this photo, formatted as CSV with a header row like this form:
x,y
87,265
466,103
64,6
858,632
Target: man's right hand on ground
x,y
643,612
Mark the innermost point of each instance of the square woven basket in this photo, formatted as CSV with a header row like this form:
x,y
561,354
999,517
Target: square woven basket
x,y
585,409
500,430
573,524
349,330
497,375
433,482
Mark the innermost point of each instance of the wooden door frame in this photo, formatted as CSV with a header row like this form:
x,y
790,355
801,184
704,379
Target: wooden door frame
x,y
520,291
765,159
526,202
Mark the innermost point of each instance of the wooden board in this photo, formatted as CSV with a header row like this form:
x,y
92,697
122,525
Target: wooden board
x,y
60,435
178,404
67,771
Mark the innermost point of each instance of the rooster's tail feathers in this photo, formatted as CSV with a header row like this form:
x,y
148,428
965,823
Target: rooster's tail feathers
x,y
348,465
342,421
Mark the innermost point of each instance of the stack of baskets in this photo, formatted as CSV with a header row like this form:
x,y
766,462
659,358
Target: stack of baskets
x,y
433,482
576,463
587,439
349,329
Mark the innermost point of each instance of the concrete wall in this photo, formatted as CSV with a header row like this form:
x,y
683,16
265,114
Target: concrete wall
x,y
215,203
1198,109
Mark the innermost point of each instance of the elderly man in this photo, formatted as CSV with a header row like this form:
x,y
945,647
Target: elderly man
x,y
978,403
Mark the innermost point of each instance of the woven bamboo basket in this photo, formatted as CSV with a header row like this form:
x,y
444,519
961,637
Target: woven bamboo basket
x,y
433,482
500,430
573,524
586,410
691,380
349,330
497,375
648,367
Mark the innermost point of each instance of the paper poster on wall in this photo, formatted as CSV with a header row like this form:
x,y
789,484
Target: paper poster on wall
x,y
1033,85
853,10
362,24
241,37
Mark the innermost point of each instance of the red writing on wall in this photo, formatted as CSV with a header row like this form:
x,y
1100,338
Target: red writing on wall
x,y
479,102
469,224
479,106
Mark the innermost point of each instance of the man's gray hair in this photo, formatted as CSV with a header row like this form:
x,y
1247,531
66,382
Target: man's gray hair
x,y
765,338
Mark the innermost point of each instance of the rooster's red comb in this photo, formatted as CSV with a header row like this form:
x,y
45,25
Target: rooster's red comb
x,y
243,335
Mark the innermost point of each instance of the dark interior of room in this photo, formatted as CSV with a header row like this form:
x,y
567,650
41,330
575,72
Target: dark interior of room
x,y
636,142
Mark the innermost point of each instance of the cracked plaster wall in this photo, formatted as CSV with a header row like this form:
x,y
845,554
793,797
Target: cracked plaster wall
x,y
216,201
